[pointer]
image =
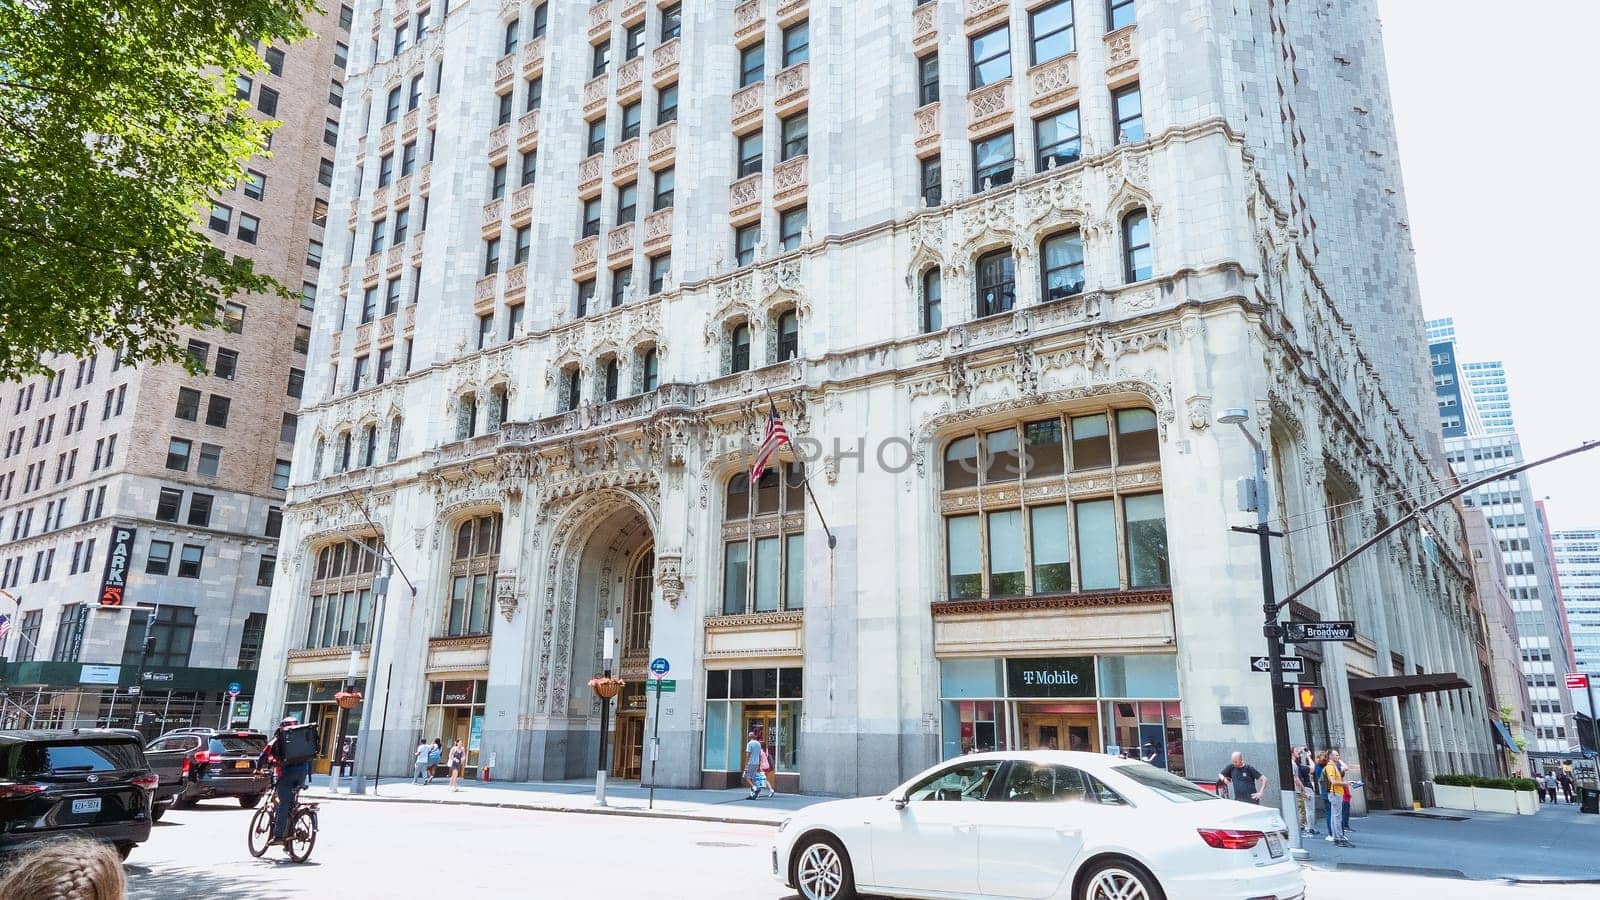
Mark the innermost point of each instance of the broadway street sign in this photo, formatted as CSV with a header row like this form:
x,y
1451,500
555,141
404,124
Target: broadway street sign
x,y
1304,632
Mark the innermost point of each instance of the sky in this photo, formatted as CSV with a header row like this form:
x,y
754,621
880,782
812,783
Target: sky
x,y
1497,106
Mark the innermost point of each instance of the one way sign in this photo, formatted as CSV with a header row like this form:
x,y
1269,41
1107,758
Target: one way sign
x,y
1289,664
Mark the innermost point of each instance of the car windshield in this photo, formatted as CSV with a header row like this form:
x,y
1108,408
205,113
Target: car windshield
x,y
233,745
84,756
1162,782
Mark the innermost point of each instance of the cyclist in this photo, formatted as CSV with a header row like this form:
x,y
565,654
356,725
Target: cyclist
x,y
291,776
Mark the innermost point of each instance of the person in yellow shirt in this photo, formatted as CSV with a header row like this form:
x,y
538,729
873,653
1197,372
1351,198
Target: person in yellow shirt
x,y
1333,780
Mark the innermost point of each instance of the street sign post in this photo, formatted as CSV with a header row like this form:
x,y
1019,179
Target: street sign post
x,y
658,668
1289,664
1307,632
1577,681
233,694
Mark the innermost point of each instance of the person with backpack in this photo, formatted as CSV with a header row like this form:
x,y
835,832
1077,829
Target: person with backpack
x,y
292,748
434,753
419,762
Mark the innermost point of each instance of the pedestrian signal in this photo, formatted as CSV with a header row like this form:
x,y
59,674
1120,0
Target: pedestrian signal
x,y
1313,698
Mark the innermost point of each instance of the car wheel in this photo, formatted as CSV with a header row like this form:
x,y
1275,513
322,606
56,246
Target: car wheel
x,y
249,801
184,801
1118,879
822,870
157,810
124,848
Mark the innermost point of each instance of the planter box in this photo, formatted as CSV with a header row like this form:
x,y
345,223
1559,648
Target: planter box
x,y
1486,800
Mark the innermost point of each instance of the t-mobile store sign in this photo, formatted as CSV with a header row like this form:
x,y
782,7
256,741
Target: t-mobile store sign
x,y
115,580
1059,676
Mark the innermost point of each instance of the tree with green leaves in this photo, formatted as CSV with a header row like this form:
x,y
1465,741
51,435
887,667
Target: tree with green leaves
x,y
118,124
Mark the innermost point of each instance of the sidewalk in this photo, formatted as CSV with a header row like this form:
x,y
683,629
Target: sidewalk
x,y
622,799
1557,844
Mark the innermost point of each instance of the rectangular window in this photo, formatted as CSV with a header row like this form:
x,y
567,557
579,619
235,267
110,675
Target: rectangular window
x,y
188,404
233,318
1057,138
585,297
752,62
401,33
928,79
330,132
631,115
659,267
314,254
255,185
491,256
512,37
503,110
735,571
391,297
523,247
621,285
597,136
1006,578
1129,111
297,383
497,182
540,20
159,560
749,154
666,181
627,203
217,411
633,42
1097,545
178,454
251,638
671,22
965,554
200,509
535,94
1091,442
514,320
1121,14
280,475
1043,450
1062,266
1052,570
385,169
667,104
242,86
796,44
991,57
1136,437
932,177
601,59
591,217
1146,526
993,162
530,163
791,228
1052,31
168,502
341,54
267,101
190,560
414,92
221,218
744,242
287,426
796,132
249,228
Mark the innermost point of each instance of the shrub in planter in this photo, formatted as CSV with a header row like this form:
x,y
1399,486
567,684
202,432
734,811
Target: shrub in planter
x,y
1483,781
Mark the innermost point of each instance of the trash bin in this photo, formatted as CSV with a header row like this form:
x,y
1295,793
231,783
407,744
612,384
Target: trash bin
x,y
1591,801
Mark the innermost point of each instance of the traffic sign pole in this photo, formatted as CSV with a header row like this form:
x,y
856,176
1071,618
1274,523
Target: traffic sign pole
x,y
658,669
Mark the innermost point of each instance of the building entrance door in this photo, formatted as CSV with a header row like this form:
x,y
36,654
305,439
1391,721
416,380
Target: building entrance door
x,y
327,737
627,754
762,718
1058,726
1372,741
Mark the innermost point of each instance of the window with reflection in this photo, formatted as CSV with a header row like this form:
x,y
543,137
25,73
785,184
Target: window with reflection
x,y
996,283
788,335
739,347
474,557
1137,262
339,612
763,534
650,369
1063,535
991,57
932,297
611,379
1062,257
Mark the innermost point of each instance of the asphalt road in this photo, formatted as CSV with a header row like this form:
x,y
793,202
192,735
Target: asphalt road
x,y
465,853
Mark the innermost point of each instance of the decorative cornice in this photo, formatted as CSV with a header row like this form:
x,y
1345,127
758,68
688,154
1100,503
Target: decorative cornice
x,y
754,620
1093,600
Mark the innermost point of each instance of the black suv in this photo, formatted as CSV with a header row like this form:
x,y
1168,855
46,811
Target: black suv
x,y
199,763
86,782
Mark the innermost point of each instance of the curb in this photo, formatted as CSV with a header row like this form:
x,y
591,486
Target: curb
x,y
1428,872
586,810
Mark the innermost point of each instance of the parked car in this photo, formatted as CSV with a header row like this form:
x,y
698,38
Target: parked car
x,y
84,782
196,764
1045,824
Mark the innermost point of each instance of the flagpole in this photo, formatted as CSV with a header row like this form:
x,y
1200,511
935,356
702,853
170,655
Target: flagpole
x,y
832,541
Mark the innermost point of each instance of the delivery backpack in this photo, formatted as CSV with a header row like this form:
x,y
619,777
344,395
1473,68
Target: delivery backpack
x,y
299,744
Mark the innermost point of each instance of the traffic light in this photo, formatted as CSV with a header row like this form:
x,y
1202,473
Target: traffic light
x,y
1313,698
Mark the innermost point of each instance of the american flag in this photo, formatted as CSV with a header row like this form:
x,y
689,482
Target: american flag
x,y
776,437
5,627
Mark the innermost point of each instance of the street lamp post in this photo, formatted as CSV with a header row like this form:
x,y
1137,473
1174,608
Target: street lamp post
x,y
380,598
600,767
345,712
1272,631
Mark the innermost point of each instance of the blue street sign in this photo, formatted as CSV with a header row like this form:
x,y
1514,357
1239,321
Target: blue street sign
x,y
233,688
658,666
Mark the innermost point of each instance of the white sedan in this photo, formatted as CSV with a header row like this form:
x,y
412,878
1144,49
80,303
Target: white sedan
x,y
1045,825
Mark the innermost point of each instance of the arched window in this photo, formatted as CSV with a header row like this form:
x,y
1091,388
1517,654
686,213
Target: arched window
x,y
497,408
474,557
788,335
1136,258
611,379
344,452
394,438
467,417
996,284
763,551
316,461
572,377
369,445
932,298
641,584
652,370
740,340
1063,266
339,612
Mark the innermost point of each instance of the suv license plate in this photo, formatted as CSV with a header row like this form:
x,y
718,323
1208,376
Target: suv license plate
x,y
86,805
1274,845
242,764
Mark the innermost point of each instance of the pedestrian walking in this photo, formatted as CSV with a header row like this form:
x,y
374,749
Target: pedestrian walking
x,y
1304,799
1538,782
1248,784
752,763
1565,780
1550,785
458,761
764,776
1334,778
1319,784
434,754
419,762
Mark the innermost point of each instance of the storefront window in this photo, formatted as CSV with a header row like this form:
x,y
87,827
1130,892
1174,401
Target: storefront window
x,y
455,712
766,701
776,511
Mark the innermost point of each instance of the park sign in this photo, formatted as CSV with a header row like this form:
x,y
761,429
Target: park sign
x,y
1306,632
115,580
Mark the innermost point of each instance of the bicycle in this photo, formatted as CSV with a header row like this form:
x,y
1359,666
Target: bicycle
x,y
302,835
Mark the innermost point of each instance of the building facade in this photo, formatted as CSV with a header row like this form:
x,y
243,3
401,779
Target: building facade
x,y
1509,705
1474,449
177,480
1577,554
997,298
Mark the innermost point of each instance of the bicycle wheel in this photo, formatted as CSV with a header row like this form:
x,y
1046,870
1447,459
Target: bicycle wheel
x,y
261,829
302,835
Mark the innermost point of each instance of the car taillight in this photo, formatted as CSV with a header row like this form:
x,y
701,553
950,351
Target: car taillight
x,y
1229,839
19,790
202,757
148,782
